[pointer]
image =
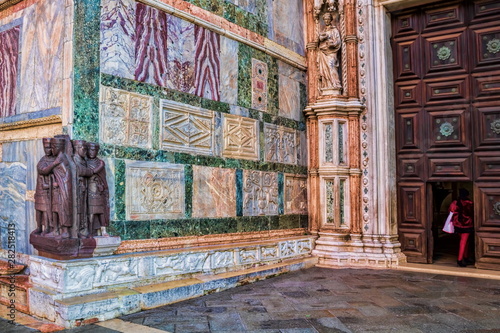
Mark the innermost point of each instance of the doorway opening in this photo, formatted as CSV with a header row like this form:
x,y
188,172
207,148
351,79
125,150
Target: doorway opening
x,y
444,246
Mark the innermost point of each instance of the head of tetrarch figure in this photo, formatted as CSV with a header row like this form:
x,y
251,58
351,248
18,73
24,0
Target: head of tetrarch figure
x,y
327,18
463,193
80,148
47,147
93,149
58,145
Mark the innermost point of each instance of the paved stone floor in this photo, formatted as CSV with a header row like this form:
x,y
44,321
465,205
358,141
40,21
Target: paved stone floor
x,y
326,300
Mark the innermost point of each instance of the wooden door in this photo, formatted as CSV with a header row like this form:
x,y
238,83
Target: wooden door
x,y
447,93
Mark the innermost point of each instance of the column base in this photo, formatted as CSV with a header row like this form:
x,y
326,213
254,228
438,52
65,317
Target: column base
x,y
356,250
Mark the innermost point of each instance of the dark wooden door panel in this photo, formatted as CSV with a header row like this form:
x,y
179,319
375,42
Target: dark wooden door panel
x,y
441,18
414,244
448,130
487,207
456,167
487,250
487,127
409,133
486,49
486,88
485,11
411,168
412,199
445,53
487,166
408,63
408,94
450,90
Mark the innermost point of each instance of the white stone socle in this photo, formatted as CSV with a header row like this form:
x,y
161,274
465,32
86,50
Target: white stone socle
x,y
69,292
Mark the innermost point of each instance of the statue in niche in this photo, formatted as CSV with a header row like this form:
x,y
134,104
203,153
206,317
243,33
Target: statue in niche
x,y
43,197
329,44
62,191
98,193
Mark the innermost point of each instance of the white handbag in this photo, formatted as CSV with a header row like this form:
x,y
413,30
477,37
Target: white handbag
x,y
448,225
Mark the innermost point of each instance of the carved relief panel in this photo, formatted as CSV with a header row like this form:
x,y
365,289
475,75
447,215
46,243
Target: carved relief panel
x,y
449,129
240,137
446,53
260,193
125,118
280,144
186,128
154,190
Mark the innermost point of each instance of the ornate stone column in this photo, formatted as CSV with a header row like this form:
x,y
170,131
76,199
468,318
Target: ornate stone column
x,y
333,115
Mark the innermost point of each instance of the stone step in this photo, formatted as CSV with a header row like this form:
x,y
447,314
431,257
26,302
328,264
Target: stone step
x,y
82,310
9,268
14,290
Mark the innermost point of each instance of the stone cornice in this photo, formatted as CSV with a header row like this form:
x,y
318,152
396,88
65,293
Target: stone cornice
x,y
31,123
4,4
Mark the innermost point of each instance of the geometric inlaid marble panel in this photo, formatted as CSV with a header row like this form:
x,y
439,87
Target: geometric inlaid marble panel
x,y
240,137
125,118
186,128
260,193
295,194
154,190
214,192
259,85
280,144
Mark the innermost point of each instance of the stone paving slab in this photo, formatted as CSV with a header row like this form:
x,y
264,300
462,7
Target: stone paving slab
x,y
328,300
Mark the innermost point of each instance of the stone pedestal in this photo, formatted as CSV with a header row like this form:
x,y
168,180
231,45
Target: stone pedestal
x,y
63,248
74,248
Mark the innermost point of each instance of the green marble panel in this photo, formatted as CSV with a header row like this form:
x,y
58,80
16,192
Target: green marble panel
x,y
128,230
188,178
218,226
86,42
154,229
239,192
281,193
120,189
174,228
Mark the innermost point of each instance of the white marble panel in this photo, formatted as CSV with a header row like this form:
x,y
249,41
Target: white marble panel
x,y
229,70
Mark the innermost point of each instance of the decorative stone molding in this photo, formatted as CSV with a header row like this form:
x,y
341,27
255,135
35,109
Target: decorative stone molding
x,y
54,119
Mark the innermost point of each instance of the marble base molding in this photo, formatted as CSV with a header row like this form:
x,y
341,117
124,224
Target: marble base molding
x,y
356,250
72,292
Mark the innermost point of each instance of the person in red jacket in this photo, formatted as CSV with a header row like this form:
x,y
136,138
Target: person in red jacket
x,y
463,212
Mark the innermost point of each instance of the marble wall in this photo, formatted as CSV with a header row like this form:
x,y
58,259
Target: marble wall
x,y
220,122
